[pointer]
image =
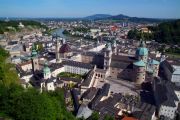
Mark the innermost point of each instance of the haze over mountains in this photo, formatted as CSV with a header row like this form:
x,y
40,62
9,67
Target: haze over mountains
x,y
122,17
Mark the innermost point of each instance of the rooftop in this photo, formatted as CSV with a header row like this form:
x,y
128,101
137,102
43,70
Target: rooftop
x,y
139,63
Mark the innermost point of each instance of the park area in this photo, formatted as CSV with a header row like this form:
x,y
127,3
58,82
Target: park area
x,y
70,75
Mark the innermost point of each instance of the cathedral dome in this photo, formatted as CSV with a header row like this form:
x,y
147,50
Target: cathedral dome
x,y
139,63
154,62
142,50
65,48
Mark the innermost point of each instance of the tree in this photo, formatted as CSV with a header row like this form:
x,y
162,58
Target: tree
x,y
95,116
107,117
8,73
33,105
39,47
22,104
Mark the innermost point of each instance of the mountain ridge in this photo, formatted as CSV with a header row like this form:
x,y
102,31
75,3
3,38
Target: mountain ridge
x,y
123,17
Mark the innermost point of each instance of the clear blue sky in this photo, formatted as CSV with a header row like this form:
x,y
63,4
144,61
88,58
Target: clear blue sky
x,y
80,8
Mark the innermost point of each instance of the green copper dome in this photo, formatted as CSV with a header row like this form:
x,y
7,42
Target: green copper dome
x,y
142,50
154,62
139,63
34,52
46,69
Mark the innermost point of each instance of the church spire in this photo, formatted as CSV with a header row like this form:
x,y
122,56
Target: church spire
x,y
34,52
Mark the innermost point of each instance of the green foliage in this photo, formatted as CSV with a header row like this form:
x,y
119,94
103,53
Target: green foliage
x,y
39,47
30,104
14,25
94,116
135,34
70,75
166,32
107,117
8,74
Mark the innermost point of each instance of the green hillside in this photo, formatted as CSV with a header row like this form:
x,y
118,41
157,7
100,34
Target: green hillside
x,y
14,25
166,32
18,103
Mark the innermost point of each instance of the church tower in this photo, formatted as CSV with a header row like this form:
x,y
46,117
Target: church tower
x,y
107,56
58,60
142,52
139,69
34,59
46,71
114,47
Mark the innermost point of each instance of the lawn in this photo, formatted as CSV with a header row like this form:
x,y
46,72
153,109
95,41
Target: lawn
x,y
173,55
70,75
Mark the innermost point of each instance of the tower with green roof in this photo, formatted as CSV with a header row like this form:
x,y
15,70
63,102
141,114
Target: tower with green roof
x,y
46,71
139,68
57,51
153,65
114,47
107,56
142,52
34,59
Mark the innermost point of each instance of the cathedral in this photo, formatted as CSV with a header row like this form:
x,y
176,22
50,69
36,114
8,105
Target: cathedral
x,y
137,68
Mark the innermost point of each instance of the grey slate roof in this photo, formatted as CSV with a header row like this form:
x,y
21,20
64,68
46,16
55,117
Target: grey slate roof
x,y
165,63
127,59
144,111
88,79
91,53
164,94
75,94
90,93
55,66
77,64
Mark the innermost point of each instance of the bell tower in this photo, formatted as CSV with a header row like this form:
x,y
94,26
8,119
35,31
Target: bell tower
x,y
34,59
46,71
114,47
58,60
107,56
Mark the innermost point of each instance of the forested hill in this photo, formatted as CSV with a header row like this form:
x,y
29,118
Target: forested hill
x,y
13,25
17,103
166,32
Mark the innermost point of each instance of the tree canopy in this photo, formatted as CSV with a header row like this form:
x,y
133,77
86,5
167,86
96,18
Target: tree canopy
x,y
166,32
22,104
13,25
30,104
8,74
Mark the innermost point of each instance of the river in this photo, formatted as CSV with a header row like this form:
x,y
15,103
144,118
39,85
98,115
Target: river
x,y
59,32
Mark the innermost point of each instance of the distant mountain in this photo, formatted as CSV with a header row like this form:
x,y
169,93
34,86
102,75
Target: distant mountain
x,y
134,19
98,16
122,17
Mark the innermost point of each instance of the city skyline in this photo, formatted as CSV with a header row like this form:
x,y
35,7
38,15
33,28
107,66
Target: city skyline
x,y
83,8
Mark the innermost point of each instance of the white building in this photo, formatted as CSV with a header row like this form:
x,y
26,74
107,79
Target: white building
x,y
171,72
